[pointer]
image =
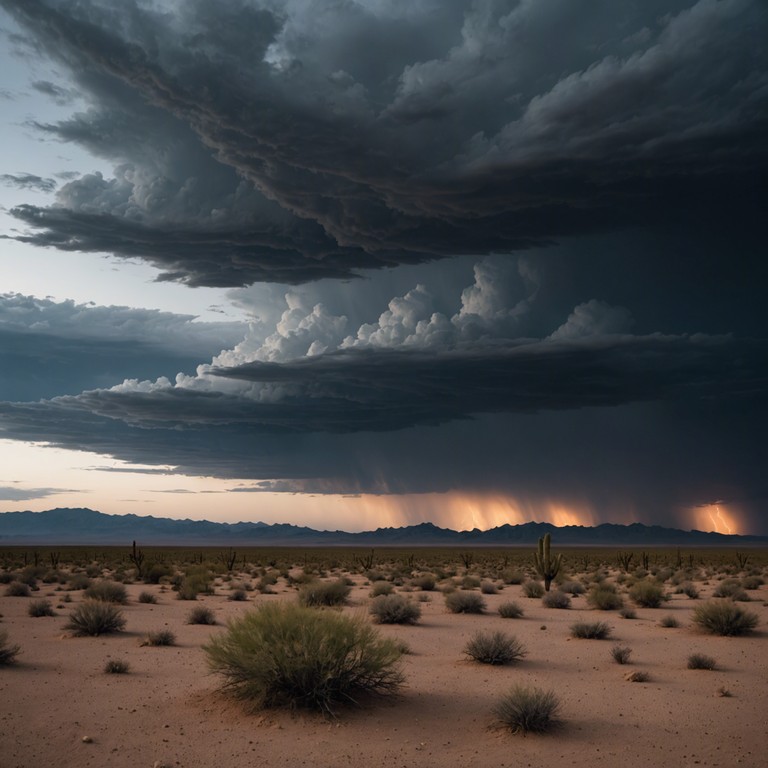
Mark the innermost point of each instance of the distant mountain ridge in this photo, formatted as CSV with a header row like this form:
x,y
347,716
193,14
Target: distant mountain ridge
x,y
87,526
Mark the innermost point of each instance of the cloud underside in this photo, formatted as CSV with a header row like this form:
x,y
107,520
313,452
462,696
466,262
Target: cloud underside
x,y
302,150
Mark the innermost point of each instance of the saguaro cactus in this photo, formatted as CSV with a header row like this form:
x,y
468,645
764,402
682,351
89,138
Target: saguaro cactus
x,y
546,566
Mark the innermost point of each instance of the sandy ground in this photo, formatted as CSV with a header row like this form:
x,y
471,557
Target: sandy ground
x,y
168,712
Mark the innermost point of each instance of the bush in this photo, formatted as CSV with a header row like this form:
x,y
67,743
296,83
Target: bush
x,y
556,599
470,582
95,617
8,653
288,655
510,610
488,588
724,617
533,589
160,638
572,587
425,582
731,588
78,581
647,594
604,597
40,608
328,593
689,589
597,630
156,572
116,667
107,592
379,588
201,615
494,648
513,577
621,654
17,589
670,622
528,710
701,661
628,613
464,602
147,597
752,582
238,595
395,609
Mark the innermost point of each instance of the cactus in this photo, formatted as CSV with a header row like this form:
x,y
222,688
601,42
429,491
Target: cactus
x,y
625,559
546,566
136,556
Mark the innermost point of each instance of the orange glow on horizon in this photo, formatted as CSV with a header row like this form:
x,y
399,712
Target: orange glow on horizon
x,y
717,517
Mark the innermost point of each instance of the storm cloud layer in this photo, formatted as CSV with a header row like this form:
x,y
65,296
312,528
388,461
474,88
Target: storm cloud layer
x,y
293,141
503,246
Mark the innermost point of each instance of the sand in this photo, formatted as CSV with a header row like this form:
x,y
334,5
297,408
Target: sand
x,y
169,711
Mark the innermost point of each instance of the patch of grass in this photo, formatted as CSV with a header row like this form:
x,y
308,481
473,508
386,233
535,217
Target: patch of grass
x,y
596,630
117,667
701,661
494,648
287,655
39,608
147,597
628,613
95,617
621,654
510,610
201,615
752,582
237,595
464,602
731,588
379,588
572,587
647,594
470,582
528,710
107,592
556,599
324,593
78,581
724,617
8,652
637,677
533,589
426,582
160,637
489,588
689,589
604,597
17,589
670,622
395,609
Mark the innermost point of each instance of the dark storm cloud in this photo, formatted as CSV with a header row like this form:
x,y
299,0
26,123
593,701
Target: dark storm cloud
x,y
62,96
50,348
356,137
28,181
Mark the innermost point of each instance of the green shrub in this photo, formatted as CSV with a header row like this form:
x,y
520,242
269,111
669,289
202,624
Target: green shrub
x,y
470,582
95,617
289,655
752,582
379,588
17,589
731,588
604,597
107,592
201,615
8,653
670,622
395,609
533,589
464,602
724,617
701,661
621,654
596,630
161,637
155,572
147,597
510,610
528,710
39,608
689,589
513,577
488,588
647,594
324,593
426,582
116,667
494,648
572,587
78,581
628,613
238,595
556,599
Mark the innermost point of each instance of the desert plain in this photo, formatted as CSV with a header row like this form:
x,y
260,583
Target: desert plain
x,y
58,706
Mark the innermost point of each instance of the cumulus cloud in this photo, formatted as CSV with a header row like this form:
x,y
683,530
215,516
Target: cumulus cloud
x,y
303,149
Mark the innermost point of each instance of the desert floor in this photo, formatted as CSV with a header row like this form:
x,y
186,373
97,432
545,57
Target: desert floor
x,y
168,710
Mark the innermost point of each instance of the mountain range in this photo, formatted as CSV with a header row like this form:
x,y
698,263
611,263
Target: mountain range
x,y
87,526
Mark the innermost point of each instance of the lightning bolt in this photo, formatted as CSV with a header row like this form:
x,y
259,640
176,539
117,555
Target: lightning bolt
x,y
722,519
715,526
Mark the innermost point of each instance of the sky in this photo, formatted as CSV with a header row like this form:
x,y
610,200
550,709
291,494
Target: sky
x,y
372,263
